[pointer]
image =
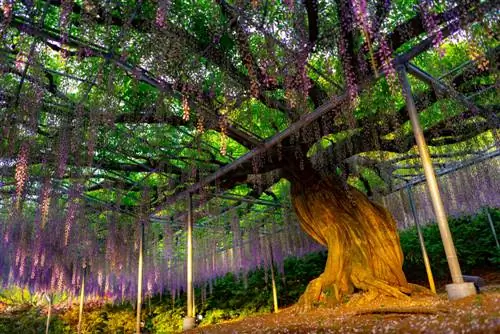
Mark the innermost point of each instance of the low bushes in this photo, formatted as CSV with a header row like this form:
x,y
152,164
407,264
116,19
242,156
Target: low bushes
x,y
473,240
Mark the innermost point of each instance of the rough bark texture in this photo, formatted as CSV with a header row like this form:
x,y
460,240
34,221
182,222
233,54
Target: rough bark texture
x,y
364,252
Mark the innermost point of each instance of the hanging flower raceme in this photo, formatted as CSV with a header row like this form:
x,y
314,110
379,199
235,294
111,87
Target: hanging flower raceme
x,y
350,78
477,55
77,128
62,154
223,134
386,60
7,15
185,108
248,61
302,69
71,212
66,8
21,61
92,136
200,124
7,9
430,24
111,244
70,217
290,4
21,172
267,73
36,259
168,243
60,280
160,17
45,202
161,11
363,20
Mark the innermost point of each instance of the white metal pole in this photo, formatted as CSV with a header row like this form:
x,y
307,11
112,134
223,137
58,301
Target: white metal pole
x,y
492,226
273,281
427,263
459,289
49,300
139,280
82,297
190,258
189,320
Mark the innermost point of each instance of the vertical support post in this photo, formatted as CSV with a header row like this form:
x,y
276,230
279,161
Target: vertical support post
x,y
190,257
273,281
427,264
194,302
139,280
49,300
189,321
492,226
82,297
458,289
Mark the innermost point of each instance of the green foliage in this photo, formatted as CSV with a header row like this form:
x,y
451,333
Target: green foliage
x,y
15,296
473,240
253,294
122,321
214,316
166,319
107,319
299,272
30,320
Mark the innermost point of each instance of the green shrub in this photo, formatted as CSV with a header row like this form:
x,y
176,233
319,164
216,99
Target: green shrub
x,y
166,320
120,322
215,316
31,320
473,240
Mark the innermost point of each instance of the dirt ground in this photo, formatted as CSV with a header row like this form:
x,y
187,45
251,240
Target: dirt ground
x,y
475,314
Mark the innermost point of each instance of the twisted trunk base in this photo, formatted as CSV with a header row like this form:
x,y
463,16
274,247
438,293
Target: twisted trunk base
x,y
364,252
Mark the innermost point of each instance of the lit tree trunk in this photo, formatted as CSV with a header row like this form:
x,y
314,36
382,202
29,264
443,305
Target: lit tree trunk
x,y
364,252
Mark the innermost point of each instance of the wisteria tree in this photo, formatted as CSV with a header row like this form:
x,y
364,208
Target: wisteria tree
x,y
132,102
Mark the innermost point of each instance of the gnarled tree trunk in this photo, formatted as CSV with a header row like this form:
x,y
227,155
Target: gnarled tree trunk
x,y
364,252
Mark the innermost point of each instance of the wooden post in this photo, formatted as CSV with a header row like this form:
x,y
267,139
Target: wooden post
x,y
458,289
492,226
427,264
189,320
139,280
273,281
82,296
190,258
194,303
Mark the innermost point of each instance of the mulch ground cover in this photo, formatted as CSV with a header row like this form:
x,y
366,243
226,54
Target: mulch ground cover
x,y
475,314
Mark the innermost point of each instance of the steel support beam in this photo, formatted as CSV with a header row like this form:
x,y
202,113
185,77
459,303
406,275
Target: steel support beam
x,y
82,298
427,263
139,280
437,84
189,320
458,289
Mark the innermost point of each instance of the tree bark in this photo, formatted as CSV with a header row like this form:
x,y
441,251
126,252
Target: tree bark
x,y
364,252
